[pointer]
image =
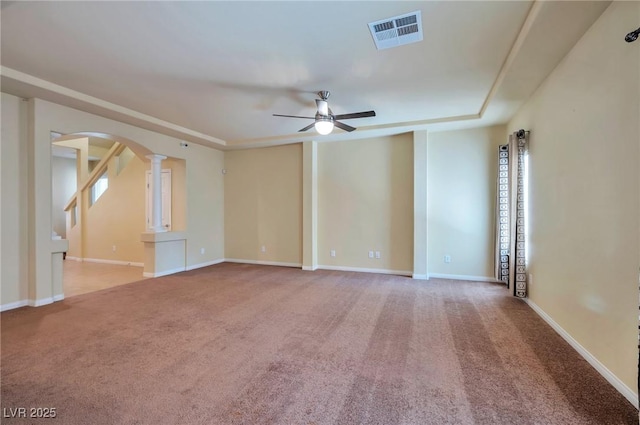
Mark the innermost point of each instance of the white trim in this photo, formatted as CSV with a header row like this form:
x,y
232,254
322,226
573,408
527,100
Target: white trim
x,y
366,270
11,306
419,276
164,273
165,126
114,262
32,303
40,302
78,259
463,277
207,264
263,263
309,268
627,392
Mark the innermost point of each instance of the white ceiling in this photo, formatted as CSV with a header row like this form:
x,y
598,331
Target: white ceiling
x,y
215,72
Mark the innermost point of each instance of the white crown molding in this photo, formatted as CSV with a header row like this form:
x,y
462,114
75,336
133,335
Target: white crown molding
x,y
108,106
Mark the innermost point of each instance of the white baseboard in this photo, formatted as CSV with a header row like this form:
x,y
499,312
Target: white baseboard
x,y
366,270
41,301
309,268
263,263
11,306
463,277
207,264
114,262
78,259
32,303
419,276
164,273
627,392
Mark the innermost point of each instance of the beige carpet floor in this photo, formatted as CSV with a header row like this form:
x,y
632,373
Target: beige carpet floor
x,y
243,344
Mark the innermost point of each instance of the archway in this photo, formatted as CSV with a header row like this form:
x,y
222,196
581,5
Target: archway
x,y
105,213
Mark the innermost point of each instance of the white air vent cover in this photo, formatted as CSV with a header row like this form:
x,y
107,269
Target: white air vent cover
x,y
397,31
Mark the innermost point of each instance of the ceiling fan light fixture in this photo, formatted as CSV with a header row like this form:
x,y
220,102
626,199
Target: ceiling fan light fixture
x,y
325,120
324,127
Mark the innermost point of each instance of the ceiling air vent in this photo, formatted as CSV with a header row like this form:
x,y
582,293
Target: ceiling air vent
x,y
397,31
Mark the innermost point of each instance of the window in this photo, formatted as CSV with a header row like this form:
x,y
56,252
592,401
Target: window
x,y
98,188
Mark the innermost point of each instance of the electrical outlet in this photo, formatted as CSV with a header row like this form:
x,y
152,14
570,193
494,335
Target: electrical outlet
x,y
377,255
370,254
332,253
113,248
447,258
263,248
201,251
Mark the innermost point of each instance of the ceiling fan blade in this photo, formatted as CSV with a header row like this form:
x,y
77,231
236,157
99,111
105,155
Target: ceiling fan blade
x,y
343,126
293,116
307,127
356,115
323,107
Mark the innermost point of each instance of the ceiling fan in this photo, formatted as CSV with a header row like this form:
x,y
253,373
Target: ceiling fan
x,y
324,121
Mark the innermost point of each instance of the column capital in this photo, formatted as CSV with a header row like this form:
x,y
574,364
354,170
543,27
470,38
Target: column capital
x,y
155,157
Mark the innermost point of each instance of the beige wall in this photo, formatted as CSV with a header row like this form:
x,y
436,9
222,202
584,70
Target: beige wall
x,y
117,218
203,176
178,192
365,203
584,192
205,206
263,204
13,145
420,203
64,185
461,187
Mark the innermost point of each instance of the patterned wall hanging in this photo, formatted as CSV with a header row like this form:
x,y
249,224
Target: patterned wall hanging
x,y
510,254
502,216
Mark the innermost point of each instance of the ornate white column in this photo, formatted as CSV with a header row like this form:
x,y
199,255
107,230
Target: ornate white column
x,y
156,192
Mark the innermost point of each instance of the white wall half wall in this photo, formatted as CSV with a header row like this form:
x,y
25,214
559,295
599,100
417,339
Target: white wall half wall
x,y
585,196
